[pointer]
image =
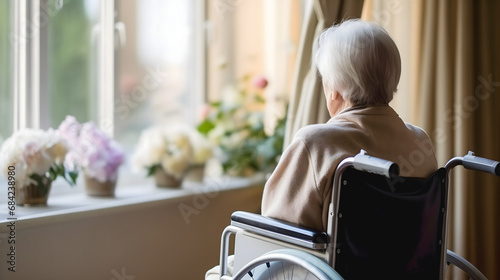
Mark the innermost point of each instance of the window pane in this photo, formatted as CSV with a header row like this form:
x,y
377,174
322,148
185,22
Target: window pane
x,y
71,47
254,38
6,70
155,67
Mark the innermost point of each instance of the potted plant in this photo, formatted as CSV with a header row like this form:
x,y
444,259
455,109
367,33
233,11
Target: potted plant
x,y
33,158
236,126
95,154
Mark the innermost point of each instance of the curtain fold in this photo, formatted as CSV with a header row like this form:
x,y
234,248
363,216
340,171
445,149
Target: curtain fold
x,y
307,104
458,101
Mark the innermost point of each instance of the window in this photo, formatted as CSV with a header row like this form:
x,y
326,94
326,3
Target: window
x,y
111,62
55,49
6,54
249,38
129,64
158,65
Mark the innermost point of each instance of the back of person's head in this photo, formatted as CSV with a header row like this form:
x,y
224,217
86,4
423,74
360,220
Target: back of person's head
x,y
359,60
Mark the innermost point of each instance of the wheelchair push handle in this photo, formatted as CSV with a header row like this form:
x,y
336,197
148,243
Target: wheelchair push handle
x,y
375,165
470,161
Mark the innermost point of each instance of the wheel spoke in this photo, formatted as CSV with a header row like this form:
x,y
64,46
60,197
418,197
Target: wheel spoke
x,y
293,265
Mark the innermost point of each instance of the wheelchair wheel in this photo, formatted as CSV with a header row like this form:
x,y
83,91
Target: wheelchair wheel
x,y
287,264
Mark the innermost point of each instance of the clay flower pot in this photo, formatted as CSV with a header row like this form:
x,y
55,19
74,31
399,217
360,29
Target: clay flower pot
x,y
195,173
163,179
95,188
33,194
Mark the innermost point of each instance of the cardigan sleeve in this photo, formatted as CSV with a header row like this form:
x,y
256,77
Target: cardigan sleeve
x,y
291,193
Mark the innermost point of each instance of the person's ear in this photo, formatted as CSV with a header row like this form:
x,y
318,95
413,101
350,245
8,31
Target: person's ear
x,y
335,95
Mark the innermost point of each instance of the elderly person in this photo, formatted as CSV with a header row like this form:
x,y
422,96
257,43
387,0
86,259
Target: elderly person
x,y
360,67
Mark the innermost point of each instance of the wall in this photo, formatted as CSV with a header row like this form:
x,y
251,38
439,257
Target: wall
x,y
146,240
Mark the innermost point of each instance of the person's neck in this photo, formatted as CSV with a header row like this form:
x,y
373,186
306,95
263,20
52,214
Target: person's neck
x,y
344,106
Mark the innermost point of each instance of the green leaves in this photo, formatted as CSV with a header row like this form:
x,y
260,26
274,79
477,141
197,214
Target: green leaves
x,y
152,169
73,175
57,170
43,181
205,127
257,152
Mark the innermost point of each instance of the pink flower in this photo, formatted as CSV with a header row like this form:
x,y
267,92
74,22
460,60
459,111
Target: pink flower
x,y
91,134
92,151
204,111
70,129
34,157
259,82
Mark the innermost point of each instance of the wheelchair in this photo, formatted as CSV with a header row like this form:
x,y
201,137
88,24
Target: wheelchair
x,y
380,226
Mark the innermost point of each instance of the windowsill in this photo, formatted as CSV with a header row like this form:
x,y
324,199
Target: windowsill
x,y
145,194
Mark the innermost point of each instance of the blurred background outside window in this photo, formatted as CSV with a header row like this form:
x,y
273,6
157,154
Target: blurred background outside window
x,y
6,69
156,68
68,58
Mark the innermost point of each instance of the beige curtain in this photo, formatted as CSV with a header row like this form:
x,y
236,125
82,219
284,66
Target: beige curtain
x,y
458,104
307,104
450,86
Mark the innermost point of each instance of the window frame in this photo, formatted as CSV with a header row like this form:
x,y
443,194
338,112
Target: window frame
x,y
29,38
30,82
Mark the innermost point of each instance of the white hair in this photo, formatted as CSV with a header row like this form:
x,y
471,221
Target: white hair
x,y
359,60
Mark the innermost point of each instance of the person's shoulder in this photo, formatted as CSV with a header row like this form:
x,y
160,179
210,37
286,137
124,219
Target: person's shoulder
x,y
320,132
416,130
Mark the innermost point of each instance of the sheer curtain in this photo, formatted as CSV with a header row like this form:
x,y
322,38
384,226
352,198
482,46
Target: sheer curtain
x,y
307,102
450,86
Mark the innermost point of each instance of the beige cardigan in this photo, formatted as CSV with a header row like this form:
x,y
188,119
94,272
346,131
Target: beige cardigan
x,y
299,190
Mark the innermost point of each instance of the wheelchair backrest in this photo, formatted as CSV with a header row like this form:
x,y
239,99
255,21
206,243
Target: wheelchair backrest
x,y
390,228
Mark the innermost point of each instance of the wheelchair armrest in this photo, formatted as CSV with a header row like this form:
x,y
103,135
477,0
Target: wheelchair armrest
x,y
458,261
280,230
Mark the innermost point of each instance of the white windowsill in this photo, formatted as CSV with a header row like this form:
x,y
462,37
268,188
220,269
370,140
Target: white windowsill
x,y
72,205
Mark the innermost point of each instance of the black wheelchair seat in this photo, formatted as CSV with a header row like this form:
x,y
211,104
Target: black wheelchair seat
x,y
390,226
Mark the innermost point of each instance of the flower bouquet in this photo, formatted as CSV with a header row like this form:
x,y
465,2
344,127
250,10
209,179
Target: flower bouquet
x,y
36,158
236,126
168,151
93,153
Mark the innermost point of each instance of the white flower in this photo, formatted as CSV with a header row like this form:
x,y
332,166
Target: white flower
x,y
232,97
234,140
32,151
56,147
174,148
178,155
219,131
202,148
150,149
